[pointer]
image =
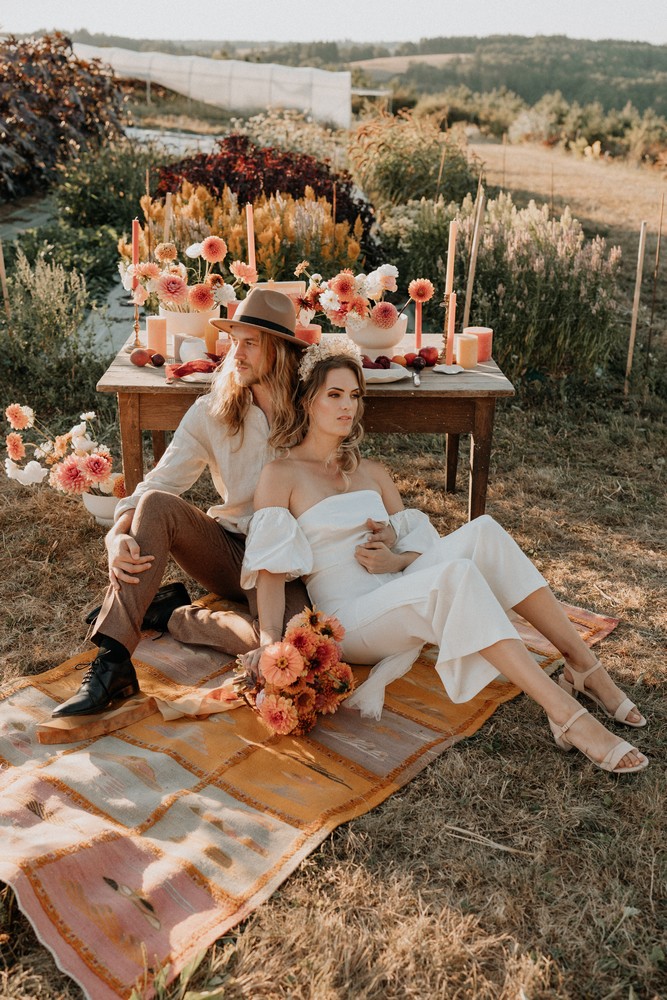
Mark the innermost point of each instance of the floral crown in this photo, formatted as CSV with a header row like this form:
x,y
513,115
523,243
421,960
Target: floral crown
x,y
329,347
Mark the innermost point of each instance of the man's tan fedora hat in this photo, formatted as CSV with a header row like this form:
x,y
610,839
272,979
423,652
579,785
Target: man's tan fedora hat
x,y
269,311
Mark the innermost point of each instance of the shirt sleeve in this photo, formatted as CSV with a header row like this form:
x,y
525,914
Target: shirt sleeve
x,y
275,543
414,531
179,468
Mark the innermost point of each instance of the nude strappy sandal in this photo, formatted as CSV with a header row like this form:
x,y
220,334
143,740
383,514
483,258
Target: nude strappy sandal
x,y
613,757
577,686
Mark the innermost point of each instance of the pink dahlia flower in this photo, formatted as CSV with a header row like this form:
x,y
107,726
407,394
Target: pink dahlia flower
x,y
244,272
148,270
421,290
325,656
343,285
69,477
172,290
214,249
15,447
278,713
384,315
280,664
97,466
19,417
201,298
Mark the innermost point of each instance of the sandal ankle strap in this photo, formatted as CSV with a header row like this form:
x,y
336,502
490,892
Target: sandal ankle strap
x,y
582,674
570,722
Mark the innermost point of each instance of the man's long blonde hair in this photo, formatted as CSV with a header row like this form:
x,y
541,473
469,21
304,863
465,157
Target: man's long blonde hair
x,y
229,402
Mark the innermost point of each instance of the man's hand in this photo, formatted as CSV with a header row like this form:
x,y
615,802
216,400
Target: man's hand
x,y
126,560
381,532
375,557
250,661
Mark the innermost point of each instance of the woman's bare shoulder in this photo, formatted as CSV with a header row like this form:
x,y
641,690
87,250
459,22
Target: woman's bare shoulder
x,y
375,470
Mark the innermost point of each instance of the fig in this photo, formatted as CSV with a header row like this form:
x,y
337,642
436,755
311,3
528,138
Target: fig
x,y
157,360
140,357
419,363
383,361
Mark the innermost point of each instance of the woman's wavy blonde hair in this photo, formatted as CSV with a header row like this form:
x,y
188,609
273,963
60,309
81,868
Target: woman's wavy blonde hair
x,y
229,402
347,455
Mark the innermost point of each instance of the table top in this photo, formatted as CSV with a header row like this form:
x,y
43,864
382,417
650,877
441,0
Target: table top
x,y
485,380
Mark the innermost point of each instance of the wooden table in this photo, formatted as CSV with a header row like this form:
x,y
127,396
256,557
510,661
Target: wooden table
x,y
443,404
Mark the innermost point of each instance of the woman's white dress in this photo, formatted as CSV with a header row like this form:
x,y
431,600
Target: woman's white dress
x,y
456,594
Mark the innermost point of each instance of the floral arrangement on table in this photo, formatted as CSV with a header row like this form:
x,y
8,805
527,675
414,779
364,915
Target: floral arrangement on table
x,y
73,462
177,287
300,677
349,300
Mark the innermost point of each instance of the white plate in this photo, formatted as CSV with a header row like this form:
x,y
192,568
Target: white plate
x,y
393,374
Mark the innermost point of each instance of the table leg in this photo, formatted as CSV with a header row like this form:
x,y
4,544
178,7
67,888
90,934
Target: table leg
x,y
451,461
159,445
480,456
130,440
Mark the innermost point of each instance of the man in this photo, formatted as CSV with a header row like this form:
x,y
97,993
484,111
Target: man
x,y
231,431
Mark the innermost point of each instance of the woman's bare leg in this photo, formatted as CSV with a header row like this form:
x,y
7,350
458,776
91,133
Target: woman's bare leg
x,y
513,660
543,610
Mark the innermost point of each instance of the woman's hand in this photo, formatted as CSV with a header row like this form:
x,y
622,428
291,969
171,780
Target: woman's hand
x,y
125,559
250,661
381,531
375,557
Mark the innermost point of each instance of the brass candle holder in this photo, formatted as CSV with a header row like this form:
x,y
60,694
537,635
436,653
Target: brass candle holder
x,y
135,327
443,353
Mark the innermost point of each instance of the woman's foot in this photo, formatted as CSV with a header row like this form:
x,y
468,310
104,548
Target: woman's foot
x,y
604,749
593,682
583,731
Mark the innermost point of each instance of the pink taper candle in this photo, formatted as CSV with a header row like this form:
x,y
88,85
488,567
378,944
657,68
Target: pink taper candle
x,y
250,227
135,249
451,253
451,314
418,325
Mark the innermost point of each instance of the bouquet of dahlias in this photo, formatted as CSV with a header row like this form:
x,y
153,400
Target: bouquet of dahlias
x,y
74,462
349,300
300,677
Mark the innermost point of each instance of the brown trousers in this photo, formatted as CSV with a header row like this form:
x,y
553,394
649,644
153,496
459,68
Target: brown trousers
x,y
165,525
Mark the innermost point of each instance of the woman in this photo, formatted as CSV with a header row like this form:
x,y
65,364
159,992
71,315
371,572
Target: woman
x,y
314,507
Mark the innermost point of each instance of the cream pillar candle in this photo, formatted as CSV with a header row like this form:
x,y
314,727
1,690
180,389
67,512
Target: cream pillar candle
x,y
466,350
484,336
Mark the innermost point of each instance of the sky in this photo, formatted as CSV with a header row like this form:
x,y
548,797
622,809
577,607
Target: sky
x,y
354,20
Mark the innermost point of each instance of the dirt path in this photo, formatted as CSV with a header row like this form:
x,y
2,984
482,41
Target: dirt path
x,y
609,198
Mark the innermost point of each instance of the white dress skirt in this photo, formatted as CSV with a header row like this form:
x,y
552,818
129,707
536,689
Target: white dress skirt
x,y
456,594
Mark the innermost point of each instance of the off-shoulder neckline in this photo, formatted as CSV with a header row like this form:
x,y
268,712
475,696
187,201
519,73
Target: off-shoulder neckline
x,y
334,496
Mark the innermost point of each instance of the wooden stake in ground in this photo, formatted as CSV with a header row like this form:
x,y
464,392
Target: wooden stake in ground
x,y
635,306
656,268
479,216
3,283
442,165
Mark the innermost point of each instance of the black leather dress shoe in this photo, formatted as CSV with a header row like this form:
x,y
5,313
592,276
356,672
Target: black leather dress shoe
x,y
158,612
103,684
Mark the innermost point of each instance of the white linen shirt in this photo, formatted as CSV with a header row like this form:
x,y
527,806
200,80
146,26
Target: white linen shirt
x,y
235,463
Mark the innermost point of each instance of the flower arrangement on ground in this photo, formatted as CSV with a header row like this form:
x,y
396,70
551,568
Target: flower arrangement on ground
x,y
74,462
300,677
178,287
349,300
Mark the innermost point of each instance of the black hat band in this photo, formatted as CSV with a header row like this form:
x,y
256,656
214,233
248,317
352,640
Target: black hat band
x,y
269,324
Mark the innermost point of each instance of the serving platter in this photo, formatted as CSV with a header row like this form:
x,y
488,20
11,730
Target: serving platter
x,y
392,374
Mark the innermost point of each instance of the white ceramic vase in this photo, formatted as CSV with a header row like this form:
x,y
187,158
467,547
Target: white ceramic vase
x,y
373,341
101,507
192,324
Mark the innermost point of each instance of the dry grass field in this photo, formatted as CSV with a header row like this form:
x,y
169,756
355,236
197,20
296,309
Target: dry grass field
x,y
397,904
386,66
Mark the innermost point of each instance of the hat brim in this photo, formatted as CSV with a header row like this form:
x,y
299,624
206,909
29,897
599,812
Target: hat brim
x,y
230,325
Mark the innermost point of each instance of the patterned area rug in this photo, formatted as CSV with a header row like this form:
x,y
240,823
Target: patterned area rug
x,y
137,849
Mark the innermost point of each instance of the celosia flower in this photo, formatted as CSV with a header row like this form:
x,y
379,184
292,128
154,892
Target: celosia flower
x,y
244,272
172,289
343,285
165,252
201,298
214,249
278,713
69,477
119,489
421,290
96,466
280,664
19,417
384,315
15,447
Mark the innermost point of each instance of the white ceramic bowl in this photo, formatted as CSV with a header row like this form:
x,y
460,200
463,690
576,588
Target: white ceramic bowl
x,y
372,340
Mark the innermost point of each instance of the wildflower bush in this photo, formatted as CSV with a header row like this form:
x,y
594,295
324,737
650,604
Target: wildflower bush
x,y
250,171
296,132
396,159
287,229
89,251
493,111
46,355
51,106
550,295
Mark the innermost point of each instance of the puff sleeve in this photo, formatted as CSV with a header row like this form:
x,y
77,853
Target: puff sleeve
x,y
275,543
414,531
